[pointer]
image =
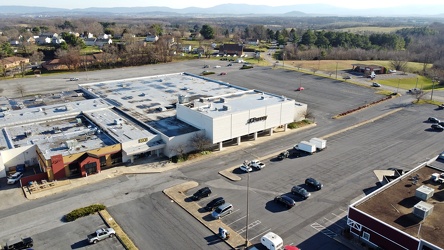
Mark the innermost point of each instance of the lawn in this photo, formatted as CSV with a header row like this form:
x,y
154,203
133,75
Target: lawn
x,y
410,83
330,65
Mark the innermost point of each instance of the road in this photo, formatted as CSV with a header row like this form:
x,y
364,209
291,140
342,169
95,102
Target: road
x,y
346,169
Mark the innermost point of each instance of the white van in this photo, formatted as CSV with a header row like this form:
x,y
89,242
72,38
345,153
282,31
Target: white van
x,y
272,241
222,210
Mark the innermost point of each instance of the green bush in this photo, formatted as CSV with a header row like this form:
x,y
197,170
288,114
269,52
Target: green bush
x,y
84,211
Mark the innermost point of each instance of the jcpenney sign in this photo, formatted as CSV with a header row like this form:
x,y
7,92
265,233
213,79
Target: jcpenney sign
x,y
256,119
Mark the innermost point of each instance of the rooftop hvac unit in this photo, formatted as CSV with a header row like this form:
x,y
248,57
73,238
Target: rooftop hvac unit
x,y
28,133
183,99
222,100
424,192
226,107
79,120
118,121
71,143
422,209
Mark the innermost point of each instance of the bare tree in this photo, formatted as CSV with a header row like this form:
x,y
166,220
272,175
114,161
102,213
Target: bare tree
x,y
200,141
314,70
36,57
299,65
399,63
180,151
20,89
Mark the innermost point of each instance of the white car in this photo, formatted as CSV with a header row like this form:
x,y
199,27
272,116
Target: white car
x,y
257,164
217,66
245,168
74,79
12,179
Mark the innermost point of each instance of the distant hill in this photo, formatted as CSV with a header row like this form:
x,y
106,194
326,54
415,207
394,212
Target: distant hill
x,y
239,9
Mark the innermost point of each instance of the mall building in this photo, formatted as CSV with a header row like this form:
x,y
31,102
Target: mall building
x,y
81,132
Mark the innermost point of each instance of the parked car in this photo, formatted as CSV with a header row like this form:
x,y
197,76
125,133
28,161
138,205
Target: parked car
x,y
392,71
215,203
24,243
414,91
206,66
300,88
437,127
229,65
222,210
285,200
375,84
284,155
256,164
203,192
433,119
297,190
245,168
101,234
12,179
217,66
347,77
74,79
313,183
223,73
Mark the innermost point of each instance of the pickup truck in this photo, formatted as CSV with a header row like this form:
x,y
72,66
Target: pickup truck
x,y
258,165
101,234
24,243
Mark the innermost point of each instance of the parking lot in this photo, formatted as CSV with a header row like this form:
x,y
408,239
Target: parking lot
x,y
402,139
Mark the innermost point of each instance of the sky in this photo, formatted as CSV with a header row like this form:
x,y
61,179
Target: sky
x,y
176,4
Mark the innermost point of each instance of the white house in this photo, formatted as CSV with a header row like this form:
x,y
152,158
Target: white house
x,y
186,48
101,42
151,38
43,40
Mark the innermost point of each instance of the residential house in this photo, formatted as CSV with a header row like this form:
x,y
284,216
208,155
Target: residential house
x,y
104,36
49,34
100,42
43,40
30,39
90,41
231,49
13,62
253,42
54,65
186,48
194,36
151,38
57,40
200,50
14,42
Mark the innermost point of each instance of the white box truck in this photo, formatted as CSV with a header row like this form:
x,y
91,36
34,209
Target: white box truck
x,y
306,147
320,143
272,241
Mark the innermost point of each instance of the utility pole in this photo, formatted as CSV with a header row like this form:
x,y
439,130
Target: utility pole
x,y
397,90
433,86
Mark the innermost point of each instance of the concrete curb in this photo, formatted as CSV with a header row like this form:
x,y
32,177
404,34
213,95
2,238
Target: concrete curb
x,y
228,172
107,219
177,194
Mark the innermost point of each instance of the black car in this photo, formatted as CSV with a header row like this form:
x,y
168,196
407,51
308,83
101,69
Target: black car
x,y
214,204
297,190
21,244
203,192
433,119
437,127
285,200
313,183
284,155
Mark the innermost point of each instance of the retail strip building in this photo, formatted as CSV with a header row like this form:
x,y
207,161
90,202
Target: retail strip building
x,y
80,132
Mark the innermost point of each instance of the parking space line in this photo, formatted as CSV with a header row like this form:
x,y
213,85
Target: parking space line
x,y
236,220
343,210
334,223
260,234
251,225
327,232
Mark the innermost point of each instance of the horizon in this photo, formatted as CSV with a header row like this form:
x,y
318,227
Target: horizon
x,y
174,4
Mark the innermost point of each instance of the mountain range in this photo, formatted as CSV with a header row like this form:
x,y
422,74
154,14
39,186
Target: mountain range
x,y
238,10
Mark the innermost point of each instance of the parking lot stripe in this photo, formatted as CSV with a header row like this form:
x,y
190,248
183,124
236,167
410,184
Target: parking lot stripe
x,y
327,232
260,234
333,223
251,225
237,220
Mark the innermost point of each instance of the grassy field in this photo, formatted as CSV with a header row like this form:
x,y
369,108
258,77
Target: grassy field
x,y
371,29
330,65
420,82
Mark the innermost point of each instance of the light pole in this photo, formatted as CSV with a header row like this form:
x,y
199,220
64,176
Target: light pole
x,y
397,90
246,224
283,59
336,70
433,86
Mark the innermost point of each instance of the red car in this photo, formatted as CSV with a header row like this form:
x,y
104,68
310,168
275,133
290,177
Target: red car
x,y
300,89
